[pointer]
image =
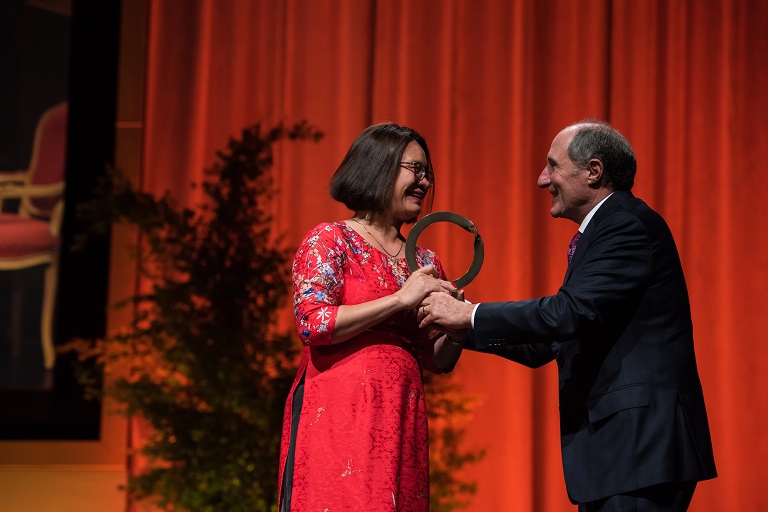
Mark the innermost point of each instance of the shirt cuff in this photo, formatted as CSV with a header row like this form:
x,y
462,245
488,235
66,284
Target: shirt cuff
x,y
474,310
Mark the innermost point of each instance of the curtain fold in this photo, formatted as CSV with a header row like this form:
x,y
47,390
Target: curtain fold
x,y
489,84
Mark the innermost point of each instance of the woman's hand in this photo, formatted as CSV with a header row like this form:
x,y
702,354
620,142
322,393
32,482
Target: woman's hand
x,y
420,284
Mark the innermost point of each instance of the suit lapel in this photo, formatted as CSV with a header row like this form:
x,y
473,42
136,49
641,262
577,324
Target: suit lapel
x,y
607,207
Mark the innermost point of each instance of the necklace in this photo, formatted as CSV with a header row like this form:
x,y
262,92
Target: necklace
x,y
377,240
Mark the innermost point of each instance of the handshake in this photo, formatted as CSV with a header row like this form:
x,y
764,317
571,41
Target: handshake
x,y
442,311
436,307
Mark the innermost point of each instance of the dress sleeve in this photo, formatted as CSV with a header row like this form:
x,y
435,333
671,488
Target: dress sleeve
x,y
318,279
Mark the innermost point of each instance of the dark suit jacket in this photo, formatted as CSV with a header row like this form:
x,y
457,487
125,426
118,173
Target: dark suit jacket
x,y
631,406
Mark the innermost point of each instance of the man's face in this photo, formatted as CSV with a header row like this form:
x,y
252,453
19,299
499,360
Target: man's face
x,y
569,186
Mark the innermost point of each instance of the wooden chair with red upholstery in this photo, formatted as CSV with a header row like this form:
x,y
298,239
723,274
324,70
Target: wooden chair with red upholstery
x,y
29,236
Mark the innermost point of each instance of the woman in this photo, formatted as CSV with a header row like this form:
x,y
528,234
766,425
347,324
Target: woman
x,y
355,427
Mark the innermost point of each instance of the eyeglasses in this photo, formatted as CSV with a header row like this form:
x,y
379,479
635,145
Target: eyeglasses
x,y
419,171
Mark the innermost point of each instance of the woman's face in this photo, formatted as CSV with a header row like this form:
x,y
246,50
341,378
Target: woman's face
x,y
409,193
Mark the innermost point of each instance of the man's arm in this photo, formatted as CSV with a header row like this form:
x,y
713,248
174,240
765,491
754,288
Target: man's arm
x,y
532,355
603,286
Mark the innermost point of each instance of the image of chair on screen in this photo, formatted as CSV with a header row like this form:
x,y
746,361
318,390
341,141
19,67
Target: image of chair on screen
x,y
31,209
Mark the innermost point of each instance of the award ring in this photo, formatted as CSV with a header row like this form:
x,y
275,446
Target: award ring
x,y
455,218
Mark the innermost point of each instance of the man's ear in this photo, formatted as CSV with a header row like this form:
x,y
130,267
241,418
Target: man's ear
x,y
595,172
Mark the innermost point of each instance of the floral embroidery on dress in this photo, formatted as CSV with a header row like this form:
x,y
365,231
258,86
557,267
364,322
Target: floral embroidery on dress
x,y
318,276
349,471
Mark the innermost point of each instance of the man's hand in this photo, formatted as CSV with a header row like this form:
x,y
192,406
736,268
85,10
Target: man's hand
x,y
444,311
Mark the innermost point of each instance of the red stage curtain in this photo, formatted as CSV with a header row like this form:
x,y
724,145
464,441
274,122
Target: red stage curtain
x,y
489,84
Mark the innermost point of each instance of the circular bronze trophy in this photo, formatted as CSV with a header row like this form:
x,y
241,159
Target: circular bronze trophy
x,y
455,218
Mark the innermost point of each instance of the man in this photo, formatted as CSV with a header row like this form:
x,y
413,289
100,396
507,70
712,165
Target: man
x,y
634,432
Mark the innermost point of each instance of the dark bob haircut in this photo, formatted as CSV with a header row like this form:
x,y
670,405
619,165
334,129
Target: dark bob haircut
x,y
365,180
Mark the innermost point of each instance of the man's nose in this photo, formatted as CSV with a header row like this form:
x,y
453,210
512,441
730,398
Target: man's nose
x,y
543,180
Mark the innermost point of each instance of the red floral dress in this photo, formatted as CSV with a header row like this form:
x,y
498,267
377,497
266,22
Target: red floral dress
x,y
362,442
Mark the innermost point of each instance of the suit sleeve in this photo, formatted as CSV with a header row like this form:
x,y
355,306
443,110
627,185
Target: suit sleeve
x,y
606,280
532,355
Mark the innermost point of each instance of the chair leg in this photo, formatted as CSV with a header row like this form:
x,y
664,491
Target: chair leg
x,y
46,321
15,324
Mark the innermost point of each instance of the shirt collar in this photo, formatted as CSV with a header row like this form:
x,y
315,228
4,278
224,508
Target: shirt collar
x,y
591,214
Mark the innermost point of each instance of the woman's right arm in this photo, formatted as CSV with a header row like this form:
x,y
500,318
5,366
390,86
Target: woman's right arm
x,y
318,277
352,320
